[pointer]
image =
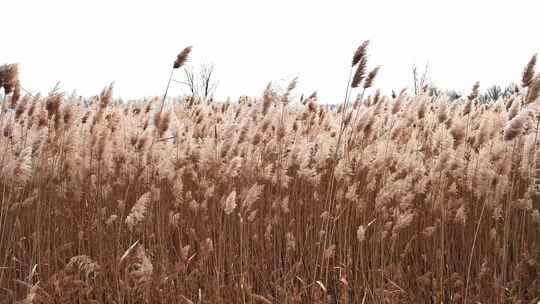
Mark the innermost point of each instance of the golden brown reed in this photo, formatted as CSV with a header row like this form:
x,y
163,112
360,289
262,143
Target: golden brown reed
x,y
428,201
182,57
360,53
360,73
529,72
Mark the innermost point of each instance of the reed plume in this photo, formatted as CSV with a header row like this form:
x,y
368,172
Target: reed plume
x,y
534,90
475,92
182,57
371,77
256,201
516,126
360,53
360,73
529,72
9,77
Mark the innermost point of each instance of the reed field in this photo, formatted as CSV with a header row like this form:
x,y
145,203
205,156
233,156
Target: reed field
x,y
411,198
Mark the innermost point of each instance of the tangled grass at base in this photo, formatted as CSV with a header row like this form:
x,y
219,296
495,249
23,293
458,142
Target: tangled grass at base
x,y
424,200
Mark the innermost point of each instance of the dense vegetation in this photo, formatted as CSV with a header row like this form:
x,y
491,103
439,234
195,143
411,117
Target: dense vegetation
x,y
412,199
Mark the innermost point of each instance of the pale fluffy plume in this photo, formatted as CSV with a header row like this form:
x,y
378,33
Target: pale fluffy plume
x,y
252,196
83,264
230,203
9,77
528,72
23,167
516,126
534,90
514,109
361,233
458,132
138,212
461,216
290,241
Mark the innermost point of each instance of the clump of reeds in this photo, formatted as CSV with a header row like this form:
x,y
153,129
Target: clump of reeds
x,y
9,77
9,81
410,199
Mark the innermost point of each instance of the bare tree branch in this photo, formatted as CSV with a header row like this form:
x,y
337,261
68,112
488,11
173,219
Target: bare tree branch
x,y
207,82
200,84
191,80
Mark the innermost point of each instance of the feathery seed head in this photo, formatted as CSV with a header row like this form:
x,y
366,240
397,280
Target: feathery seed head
x,y
182,57
9,77
475,91
534,90
360,53
360,73
230,203
528,72
371,77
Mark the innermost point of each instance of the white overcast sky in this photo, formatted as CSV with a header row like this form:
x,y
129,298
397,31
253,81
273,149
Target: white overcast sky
x,y
88,44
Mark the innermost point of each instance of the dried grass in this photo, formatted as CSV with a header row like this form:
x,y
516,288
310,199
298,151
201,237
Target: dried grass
x,y
427,201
